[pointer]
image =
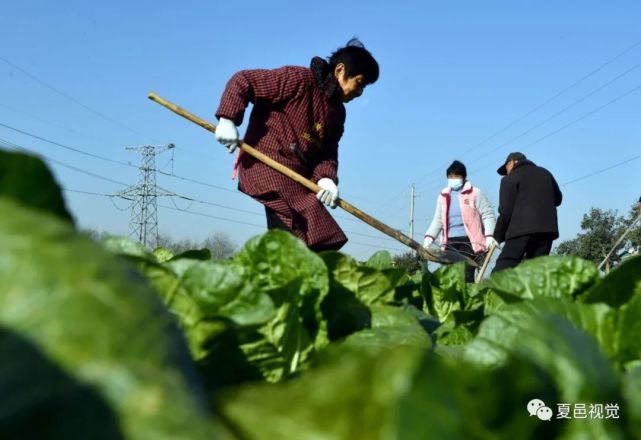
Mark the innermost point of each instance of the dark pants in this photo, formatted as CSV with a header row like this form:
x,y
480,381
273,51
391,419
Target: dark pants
x,y
273,222
523,248
463,246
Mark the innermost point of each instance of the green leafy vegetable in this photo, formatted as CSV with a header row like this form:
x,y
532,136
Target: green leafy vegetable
x,y
88,318
26,180
619,286
545,276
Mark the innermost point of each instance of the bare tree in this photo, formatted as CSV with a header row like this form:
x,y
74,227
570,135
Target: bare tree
x,y
176,247
220,245
165,241
95,234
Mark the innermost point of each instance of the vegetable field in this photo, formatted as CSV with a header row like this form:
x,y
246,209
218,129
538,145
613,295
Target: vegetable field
x,y
113,341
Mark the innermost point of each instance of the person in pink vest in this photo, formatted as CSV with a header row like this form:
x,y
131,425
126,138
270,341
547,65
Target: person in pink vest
x,y
464,217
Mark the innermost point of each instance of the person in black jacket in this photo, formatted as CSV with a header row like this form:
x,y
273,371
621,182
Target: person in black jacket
x,y
527,222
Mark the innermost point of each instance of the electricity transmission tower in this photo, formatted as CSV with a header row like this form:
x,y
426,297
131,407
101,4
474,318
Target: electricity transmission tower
x,y
143,223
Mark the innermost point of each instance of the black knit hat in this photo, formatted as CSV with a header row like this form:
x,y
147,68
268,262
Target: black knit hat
x,y
512,156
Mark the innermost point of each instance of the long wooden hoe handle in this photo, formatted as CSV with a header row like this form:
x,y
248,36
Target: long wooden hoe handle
x,y
424,253
486,261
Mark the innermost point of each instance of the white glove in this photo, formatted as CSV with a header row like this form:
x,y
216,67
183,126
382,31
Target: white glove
x,y
328,194
227,134
489,241
428,242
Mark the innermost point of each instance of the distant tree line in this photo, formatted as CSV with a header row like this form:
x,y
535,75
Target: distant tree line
x,y
219,244
600,231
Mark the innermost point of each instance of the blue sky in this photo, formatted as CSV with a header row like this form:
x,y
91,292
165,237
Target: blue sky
x,y
459,80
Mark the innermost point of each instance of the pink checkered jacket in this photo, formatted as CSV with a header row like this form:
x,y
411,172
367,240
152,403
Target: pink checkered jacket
x,y
297,120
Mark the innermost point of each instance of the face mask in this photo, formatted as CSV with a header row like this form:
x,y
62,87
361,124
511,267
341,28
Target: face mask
x,y
455,184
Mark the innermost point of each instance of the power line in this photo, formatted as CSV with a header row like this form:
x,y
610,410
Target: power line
x,y
396,198
125,209
74,100
342,217
171,195
564,109
602,170
590,113
66,147
209,185
218,205
14,147
176,208
584,116
71,130
193,200
599,108
569,124
264,226
552,98
201,214
97,156
197,153
536,108
80,151
49,122
110,197
204,202
93,193
190,199
236,209
164,173
86,107
213,216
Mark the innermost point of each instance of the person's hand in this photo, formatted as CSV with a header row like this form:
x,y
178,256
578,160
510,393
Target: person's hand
x,y
428,242
489,242
328,194
227,134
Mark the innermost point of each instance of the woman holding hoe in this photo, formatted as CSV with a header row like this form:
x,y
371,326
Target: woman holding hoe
x,y
297,120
